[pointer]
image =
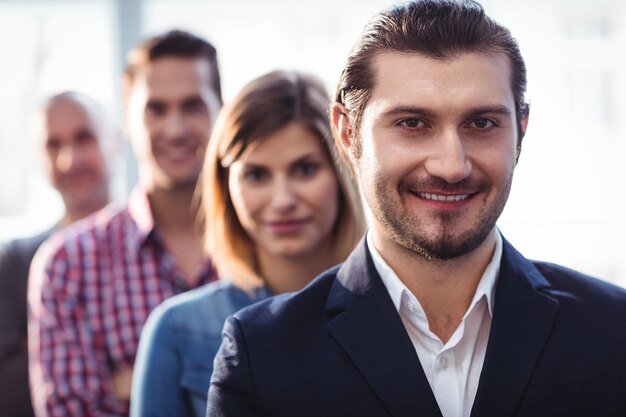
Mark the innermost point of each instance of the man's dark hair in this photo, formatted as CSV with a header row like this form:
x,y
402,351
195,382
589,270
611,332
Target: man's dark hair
x,y
175,43
439,29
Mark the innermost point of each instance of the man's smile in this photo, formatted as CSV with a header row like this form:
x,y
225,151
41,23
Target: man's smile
x,y
441,197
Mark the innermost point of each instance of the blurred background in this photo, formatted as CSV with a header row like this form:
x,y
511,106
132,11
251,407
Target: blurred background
x,y
568,203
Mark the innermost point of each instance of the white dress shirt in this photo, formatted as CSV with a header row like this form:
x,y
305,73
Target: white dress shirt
x,y
453,369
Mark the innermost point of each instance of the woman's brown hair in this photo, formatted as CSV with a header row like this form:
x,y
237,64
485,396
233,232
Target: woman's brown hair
x,y
263,107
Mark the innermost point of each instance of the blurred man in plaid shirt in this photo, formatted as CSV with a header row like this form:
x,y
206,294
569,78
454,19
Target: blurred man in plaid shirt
x,y
92,287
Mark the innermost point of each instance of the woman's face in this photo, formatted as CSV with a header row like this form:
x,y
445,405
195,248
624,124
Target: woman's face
x,y
285,193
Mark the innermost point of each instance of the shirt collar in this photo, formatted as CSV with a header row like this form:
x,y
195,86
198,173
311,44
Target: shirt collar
x,y
395,287
141,213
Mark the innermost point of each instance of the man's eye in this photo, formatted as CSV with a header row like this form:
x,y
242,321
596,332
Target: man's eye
x,y
84,137
411,123
194,106
483,123
255,175
53,145
155,110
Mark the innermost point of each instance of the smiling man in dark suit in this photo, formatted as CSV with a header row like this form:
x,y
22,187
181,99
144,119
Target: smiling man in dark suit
x,y
434,313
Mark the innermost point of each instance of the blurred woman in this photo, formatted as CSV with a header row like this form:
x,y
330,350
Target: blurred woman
x,y
278,209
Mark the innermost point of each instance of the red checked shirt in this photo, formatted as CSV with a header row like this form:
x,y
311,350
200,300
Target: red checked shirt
x,y
91,290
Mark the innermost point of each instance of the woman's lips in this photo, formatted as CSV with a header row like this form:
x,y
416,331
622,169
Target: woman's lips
x,y
287,226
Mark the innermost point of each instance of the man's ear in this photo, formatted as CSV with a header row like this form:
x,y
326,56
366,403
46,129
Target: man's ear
x,y
340,121
523,125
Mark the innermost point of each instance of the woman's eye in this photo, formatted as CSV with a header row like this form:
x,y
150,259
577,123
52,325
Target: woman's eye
x,y
306,169
255,174
411,123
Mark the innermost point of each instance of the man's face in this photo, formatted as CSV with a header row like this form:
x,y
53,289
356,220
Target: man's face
x,y
438,142
73,156
171,110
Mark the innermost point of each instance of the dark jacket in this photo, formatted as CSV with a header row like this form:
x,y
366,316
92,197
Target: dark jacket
x,y
15,259
557,347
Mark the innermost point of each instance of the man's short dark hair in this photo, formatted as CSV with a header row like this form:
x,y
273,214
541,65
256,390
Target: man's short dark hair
x,y
439,29
175,43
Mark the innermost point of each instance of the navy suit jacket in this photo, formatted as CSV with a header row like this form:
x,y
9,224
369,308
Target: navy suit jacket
x,y
557,347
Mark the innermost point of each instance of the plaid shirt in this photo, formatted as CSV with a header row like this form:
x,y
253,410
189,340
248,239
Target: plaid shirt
x,y
91,289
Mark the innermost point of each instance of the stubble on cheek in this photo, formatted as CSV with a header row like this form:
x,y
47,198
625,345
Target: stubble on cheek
x,y
390,211
434,236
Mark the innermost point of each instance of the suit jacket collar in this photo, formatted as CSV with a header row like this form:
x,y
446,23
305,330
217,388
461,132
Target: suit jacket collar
x,y
522,323
368,328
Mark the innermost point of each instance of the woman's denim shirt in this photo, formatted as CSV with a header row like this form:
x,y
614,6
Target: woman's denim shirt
x,y
174,361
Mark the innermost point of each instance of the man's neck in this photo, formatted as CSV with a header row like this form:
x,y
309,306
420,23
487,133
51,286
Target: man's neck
x,y
74,214
174,214
444,289
173,210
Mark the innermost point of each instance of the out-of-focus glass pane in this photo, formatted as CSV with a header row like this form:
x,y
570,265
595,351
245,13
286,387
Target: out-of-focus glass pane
x,y
254,37
568,202
47,47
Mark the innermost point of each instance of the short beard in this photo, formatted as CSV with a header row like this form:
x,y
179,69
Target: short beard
x,y
446,247
409,232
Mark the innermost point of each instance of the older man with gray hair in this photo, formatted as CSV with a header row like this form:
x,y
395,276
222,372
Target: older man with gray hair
x,y
76,148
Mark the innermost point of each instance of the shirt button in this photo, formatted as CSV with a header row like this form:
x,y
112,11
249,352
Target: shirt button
x,y
442,361
412,307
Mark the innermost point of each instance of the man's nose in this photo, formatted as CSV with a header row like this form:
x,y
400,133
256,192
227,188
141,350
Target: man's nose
x,y
448,159
67,158
175,125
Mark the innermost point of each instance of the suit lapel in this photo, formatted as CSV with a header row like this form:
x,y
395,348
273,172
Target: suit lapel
x,y
522,322
369,330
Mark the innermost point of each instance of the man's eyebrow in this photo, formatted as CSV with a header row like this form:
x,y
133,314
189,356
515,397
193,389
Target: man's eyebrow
x,y
193,99
420,111
497,109
404,110
155,102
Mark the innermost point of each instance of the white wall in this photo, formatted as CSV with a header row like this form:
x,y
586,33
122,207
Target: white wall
x,y
568,202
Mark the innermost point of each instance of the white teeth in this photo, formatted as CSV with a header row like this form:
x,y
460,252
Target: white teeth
x,y
439,197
